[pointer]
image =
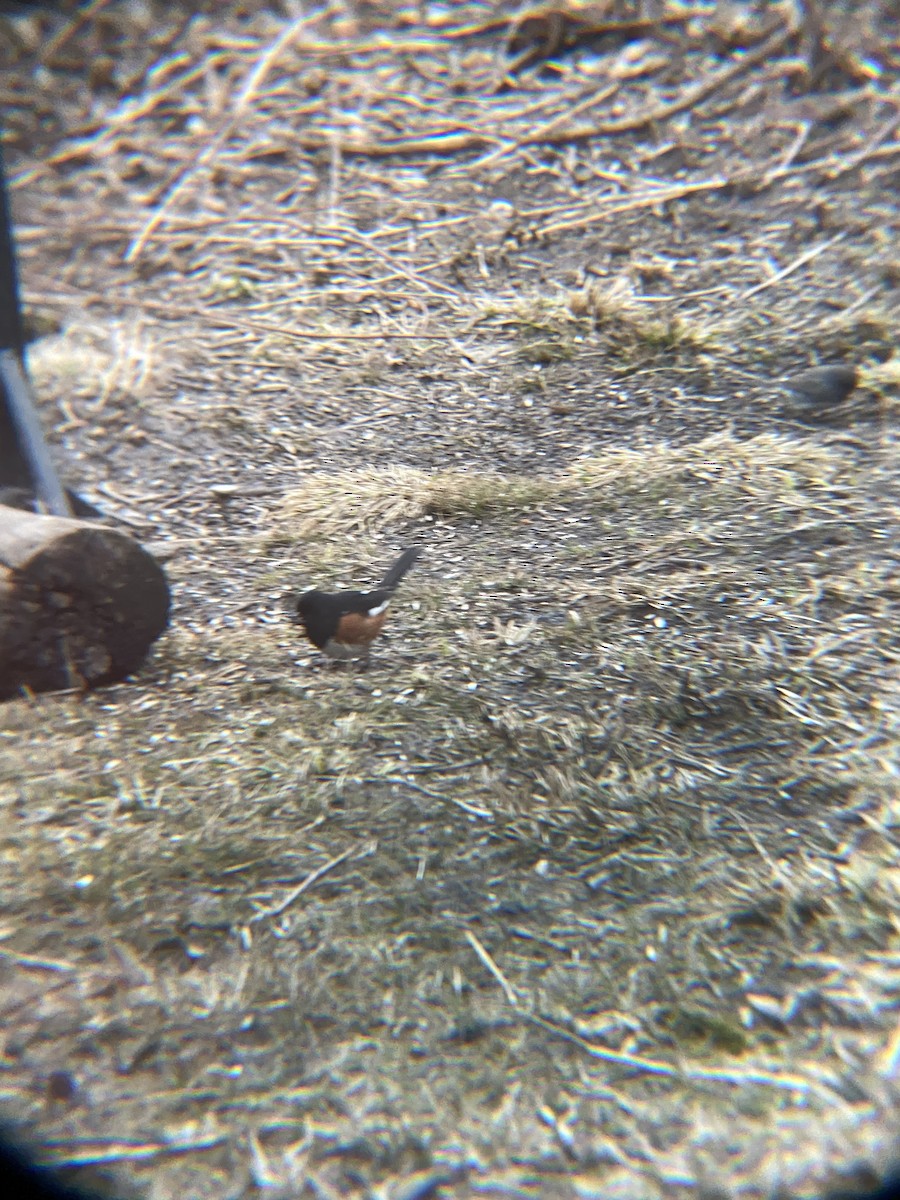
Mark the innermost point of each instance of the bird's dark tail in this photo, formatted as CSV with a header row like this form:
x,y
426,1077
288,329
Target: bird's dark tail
x,y
399,569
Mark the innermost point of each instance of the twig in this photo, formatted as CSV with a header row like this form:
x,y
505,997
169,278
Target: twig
x,y
110,1152
436,143
471,809
652,1066
800,261
508,989
313,877
541,136
800,140
659,194
861,301
878,137
425,767
79,19
40,964
343,236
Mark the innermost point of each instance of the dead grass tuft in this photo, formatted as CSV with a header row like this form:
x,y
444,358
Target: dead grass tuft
x,y
628,328
362,502
351,502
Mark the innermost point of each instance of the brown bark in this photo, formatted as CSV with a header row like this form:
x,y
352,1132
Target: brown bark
x,y
80,604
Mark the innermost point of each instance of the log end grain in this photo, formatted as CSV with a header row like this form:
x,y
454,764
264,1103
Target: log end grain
x,y
80,604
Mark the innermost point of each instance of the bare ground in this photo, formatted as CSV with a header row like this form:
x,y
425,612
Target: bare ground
x,y
589,885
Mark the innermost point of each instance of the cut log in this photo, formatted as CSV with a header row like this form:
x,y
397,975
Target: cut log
x,y
80,604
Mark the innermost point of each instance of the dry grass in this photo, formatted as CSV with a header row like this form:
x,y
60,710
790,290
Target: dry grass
x,y
770,468
588,886
628,829
331,505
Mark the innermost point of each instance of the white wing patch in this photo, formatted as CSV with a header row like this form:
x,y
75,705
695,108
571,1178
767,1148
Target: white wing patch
x,y
376,612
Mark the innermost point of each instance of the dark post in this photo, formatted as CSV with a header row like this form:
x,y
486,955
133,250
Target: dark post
x,y
14,471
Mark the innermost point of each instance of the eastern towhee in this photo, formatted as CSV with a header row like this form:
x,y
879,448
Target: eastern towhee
x,y
344,624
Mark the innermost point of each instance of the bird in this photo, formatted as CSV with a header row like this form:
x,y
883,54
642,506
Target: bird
x,y
823,385
344,624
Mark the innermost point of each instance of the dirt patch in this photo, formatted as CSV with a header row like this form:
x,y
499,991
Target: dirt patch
x,y
588,885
